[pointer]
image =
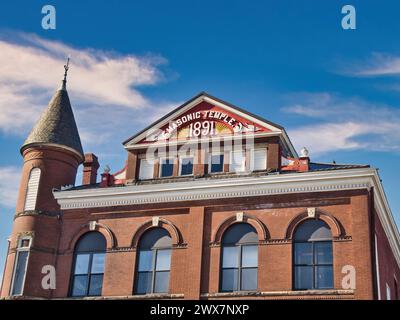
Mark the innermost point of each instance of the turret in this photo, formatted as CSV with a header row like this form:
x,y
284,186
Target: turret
x,y
52,153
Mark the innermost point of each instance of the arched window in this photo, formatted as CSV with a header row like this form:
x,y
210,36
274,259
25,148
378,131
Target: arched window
x,y
154,261
239,258
313,261
88,271
32,189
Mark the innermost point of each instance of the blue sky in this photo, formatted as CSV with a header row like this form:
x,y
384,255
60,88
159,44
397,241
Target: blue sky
x,y
335,91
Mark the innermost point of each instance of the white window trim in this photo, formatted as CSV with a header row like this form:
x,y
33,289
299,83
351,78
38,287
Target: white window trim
x,y
18,250
180,165
160,166
231,161
252,152
152,160
209,161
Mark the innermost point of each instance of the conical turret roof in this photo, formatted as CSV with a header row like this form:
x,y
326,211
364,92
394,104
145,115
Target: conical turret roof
x,y
56,126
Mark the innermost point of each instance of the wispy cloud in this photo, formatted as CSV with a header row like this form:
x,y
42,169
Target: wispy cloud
x,y
376,65
104,89
343,123
9,183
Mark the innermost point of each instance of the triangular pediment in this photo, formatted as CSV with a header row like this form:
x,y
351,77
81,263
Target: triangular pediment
x,y
201,117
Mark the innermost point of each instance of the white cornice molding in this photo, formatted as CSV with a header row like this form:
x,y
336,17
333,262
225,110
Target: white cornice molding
x,y
207,189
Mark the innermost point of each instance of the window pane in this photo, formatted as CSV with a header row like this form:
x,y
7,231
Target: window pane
x,y
145,260
323,252
186,166
155,238
82,263
249,279
313,230
163,260
167,167
96,284
20,272
303,253
25,243
230,257
161,281
143,283
98,262
146,170
91,242
229,280
79,286
324,277
217,163
259,159
249,256
303,278
237,162
240,233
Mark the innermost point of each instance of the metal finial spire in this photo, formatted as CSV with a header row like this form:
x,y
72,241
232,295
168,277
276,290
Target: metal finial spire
x,y
64,82
66,67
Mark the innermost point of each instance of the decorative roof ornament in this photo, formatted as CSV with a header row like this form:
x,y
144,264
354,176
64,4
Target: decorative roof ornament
x,y
64,82
107,169
304,153
56,126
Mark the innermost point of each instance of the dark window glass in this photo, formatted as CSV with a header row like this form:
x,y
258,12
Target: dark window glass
x,y
217,163
79,285
312,255
167,167
303,277
324,277
20,270
249,279
161,281
229,279
187,166
312,230
25,243
144,282
96,283
154,262
239,258
88,272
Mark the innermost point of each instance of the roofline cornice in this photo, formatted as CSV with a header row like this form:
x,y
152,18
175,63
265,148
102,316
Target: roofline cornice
x,y
308,182
80,157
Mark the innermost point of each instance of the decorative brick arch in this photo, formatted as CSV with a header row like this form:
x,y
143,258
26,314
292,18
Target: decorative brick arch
x,y
335,226
99,227
162,223
261,229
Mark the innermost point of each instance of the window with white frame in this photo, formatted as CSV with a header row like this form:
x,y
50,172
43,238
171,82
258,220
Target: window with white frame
x,y
167,167
146,170
186,166
32,189
216,163
258,159
21,262
238,163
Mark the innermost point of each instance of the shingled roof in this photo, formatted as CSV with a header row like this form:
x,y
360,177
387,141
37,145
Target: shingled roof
x,y
56,125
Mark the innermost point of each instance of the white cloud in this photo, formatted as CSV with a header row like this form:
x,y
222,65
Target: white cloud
x,y
9,184
377,65
100,81
103,88
343,123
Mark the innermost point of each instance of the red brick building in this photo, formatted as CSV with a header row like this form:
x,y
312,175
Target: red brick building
x,y
213,203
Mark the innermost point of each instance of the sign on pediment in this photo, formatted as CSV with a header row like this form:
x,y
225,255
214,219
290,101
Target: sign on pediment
x,y
204,120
